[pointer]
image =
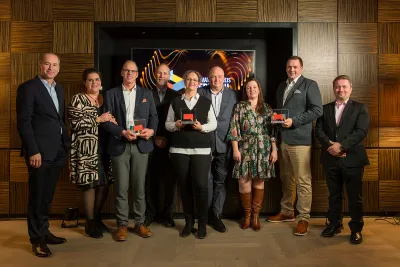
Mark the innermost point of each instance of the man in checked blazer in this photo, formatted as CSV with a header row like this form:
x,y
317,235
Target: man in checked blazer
x,y
129,151
223,100
301,96
341,131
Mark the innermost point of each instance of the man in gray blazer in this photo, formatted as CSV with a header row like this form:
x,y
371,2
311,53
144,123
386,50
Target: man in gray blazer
x,y
301,96
129,151
223,100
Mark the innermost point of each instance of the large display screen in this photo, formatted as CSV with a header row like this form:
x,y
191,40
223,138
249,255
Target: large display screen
x,y
238,65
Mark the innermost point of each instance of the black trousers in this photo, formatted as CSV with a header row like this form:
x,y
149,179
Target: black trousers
x,y
160,184
217,182
42,184
336,176
192,175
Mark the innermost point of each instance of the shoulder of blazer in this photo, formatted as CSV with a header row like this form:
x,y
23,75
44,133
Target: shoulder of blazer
x,y
113,90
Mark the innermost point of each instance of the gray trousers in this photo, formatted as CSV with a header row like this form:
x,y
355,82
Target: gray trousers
x,y
130,166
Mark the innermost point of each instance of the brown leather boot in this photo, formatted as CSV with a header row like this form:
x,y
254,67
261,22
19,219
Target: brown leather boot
x,y
246,204
258,196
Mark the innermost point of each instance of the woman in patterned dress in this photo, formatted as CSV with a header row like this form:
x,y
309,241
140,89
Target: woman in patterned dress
x,y
89,164
254,151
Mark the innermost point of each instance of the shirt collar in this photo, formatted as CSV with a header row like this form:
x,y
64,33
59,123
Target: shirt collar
x,y
46,83
161,90
343,103
196,97
294,80
214,93
125,89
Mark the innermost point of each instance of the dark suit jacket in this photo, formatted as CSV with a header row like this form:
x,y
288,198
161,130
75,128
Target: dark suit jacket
x,y
218,137
305,105
162,112
39,124
144,109
350,133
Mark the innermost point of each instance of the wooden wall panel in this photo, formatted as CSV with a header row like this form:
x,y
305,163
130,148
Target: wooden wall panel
x,y
277,10
18,169
371,171
317,169
64,10
72,66
5,116
358,38
4,198
5,74
370,195
33,10
234,11
66,196
156,11
4,36
24,66
357,10
272,197
73,37
15,140
389,167
389,38
118,10
4,165
389,196
389,69
389,11
389,105
317,10
33,37
389,136
361,68
5,9
320,194
196,11
19,193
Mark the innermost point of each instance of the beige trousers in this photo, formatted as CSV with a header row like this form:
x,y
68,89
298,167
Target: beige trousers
x,y
295,173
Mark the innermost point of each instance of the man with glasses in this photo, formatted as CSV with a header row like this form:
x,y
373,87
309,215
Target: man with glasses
x,y
131,105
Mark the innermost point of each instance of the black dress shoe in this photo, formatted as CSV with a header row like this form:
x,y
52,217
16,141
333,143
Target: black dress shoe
x,y
100,225
41,250
356,238
331,230
202,232
54,240
187,230
168,222
218,225
92,230
149,219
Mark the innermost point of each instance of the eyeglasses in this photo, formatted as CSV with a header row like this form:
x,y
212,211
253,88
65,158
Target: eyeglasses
x,y
129,71
192,80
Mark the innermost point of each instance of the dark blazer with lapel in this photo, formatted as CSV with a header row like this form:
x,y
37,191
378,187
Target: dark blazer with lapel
x,y
162,112
38,122
350,133
229,100
305,105
144,109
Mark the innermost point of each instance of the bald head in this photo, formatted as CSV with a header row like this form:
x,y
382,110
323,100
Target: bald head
x,y
216,78
162,76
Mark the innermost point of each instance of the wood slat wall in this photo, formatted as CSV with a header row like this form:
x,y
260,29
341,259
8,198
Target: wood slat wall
x,y
360,38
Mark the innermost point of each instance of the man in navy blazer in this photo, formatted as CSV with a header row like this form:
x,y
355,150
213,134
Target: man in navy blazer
x,y
45,141
223,100
341,131
129,151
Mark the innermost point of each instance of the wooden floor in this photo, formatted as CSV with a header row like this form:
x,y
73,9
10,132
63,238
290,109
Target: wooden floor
x,y
274,245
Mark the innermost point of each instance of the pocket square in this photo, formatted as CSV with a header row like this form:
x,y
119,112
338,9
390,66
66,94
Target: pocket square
x,y
144,100
297,92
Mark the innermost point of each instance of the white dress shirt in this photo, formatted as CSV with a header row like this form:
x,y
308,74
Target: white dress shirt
x,y
130,102
289,86
211,125
339,108
161,93
216,99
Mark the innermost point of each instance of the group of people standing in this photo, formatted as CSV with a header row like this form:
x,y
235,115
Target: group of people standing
x,y
104,149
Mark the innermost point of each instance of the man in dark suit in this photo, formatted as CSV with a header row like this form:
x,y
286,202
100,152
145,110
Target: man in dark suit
x,y
341,131
41,126
223,100
129,103
302,98
160,183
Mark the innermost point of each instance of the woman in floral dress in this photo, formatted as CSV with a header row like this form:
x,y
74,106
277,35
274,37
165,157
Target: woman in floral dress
x,y
254,151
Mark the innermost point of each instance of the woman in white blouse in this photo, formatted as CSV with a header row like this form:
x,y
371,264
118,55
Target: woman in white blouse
x,y
191,118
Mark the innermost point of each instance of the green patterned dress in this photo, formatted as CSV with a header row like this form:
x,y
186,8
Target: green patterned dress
x,y
254,133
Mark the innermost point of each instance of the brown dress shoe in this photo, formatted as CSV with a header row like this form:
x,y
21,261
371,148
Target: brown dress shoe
x,y
121,234
280,217
302,228
143,231
246,204
258,196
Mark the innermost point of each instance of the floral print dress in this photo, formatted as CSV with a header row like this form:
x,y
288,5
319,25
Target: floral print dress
x,y
254,133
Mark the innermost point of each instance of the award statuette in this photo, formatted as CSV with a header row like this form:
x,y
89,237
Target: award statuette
x,y
188,116
279,116
137,126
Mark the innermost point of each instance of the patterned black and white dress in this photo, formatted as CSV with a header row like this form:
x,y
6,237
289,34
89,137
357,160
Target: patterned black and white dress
x,y
89,164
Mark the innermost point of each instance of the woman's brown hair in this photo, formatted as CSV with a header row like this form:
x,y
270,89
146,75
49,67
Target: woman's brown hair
x,y
260,108
85,74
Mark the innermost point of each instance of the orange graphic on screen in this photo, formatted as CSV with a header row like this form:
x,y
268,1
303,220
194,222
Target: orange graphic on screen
x,y
138,127
188,117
